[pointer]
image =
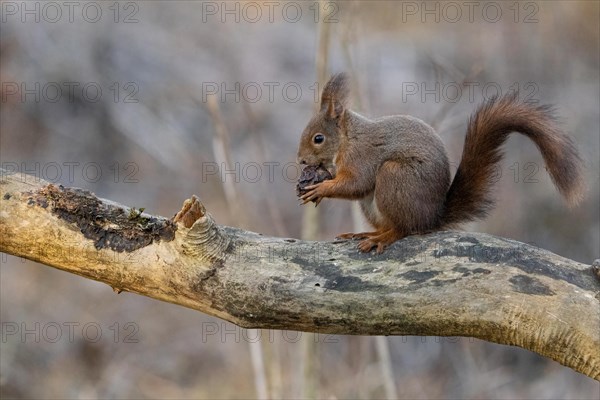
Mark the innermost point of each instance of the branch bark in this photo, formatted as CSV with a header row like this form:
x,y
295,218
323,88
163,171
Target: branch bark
x,y
446,284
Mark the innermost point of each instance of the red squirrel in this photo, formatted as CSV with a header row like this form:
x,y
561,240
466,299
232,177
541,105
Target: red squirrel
x,y
398,169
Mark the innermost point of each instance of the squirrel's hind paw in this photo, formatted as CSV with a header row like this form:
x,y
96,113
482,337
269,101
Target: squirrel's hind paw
x,y
361,235
379,240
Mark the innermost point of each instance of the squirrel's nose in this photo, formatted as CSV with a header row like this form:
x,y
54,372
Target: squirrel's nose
x,y
301,161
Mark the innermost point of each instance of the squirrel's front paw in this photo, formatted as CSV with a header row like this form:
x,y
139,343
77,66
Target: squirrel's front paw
x,y
315,193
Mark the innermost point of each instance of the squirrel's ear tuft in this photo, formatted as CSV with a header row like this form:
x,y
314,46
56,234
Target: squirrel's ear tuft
x,y
335,95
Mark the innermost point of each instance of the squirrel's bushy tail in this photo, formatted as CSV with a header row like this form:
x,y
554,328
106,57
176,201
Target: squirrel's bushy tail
x,y
470,194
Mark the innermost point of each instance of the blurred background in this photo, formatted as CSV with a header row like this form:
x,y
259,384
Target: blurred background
x,y
147,103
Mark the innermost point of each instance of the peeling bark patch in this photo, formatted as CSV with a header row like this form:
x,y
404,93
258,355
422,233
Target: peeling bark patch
x,y
199,284
524,258
240,301
528,285
462,270
106,225
280,279
467,239
466,271
334,280
532,265
351,284
477,253
442,282
419,276
482,271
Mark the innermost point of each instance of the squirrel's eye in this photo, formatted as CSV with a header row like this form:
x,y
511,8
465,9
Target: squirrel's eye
x,y
318,139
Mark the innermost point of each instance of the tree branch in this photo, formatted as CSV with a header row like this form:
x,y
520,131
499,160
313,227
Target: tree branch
x,y
447,284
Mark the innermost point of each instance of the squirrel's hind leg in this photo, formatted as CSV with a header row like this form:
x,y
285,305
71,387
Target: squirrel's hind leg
x,y
410,198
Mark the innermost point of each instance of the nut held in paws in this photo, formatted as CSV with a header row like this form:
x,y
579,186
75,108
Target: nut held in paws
x,y
311,175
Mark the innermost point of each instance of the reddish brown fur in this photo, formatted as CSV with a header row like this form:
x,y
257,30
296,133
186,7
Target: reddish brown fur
x,y
398,169
470,195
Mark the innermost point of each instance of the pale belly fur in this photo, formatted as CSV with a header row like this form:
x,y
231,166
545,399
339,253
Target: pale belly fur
x,y
369,208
